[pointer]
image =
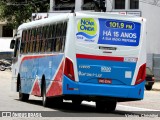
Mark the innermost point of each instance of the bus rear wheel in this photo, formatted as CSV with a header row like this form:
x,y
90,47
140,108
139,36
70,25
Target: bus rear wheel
x,y
148,87
108,106
45,99
76,102
22,96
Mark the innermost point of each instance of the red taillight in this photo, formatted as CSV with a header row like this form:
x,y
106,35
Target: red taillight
x,y
153,78
141,74
69,70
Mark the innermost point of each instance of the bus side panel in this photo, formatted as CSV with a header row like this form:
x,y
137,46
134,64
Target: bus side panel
x,y
28,70
31,71
55,87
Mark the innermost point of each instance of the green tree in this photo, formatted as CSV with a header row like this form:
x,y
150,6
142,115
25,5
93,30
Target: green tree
x,y
16,12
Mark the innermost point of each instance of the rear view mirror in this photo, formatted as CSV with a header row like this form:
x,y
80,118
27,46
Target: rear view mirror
x,y
12,44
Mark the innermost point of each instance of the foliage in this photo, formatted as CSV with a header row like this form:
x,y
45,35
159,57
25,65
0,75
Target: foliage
x,y
16,12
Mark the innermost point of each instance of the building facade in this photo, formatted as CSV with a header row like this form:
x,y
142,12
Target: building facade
x,y
6,35
149,9
5,31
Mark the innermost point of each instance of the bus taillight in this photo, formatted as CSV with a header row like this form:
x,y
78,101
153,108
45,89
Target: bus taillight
x,y
141,74
69,70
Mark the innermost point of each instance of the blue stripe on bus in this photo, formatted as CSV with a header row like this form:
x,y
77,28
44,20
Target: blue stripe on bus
x,y
31,68
118,73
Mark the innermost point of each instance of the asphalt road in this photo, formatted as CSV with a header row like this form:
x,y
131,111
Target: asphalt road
x,y
9,102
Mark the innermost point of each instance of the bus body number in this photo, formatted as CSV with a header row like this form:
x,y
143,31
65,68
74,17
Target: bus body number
x,y
105,69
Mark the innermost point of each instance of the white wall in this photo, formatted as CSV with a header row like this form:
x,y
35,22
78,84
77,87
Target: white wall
x,y
5,44
152,14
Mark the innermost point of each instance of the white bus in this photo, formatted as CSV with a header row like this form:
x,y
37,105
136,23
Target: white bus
x,y
80,56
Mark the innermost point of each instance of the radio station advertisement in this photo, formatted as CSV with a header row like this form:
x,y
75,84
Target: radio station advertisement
x,y
108,31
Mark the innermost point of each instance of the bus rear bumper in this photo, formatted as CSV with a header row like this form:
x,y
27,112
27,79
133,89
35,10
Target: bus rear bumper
x,y
106,90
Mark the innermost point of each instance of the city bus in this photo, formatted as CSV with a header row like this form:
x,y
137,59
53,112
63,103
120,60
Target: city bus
x,y
81,56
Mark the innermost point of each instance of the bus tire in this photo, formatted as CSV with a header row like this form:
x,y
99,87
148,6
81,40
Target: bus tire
x,y
56,101
76,102
45,100
22,96
148,87
100,106
108,106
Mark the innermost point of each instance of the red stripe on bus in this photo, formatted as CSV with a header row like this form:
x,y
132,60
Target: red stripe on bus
x,y
34,57
36,89
56,86
100,57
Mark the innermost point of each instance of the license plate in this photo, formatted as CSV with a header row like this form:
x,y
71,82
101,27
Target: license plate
x,y
104,81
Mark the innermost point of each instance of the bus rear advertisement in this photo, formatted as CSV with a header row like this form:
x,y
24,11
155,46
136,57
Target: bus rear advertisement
x,y
82,56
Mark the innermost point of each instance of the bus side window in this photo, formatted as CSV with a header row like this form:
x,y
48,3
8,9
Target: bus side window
x,y
38,39
57,45
34,40
22,48
28,40
57,42
47,48
16,50
64,35
54,37
61,37
48,39
43,39
31,40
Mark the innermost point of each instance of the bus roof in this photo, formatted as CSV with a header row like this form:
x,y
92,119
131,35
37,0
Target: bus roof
x,y
81,14
45,21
